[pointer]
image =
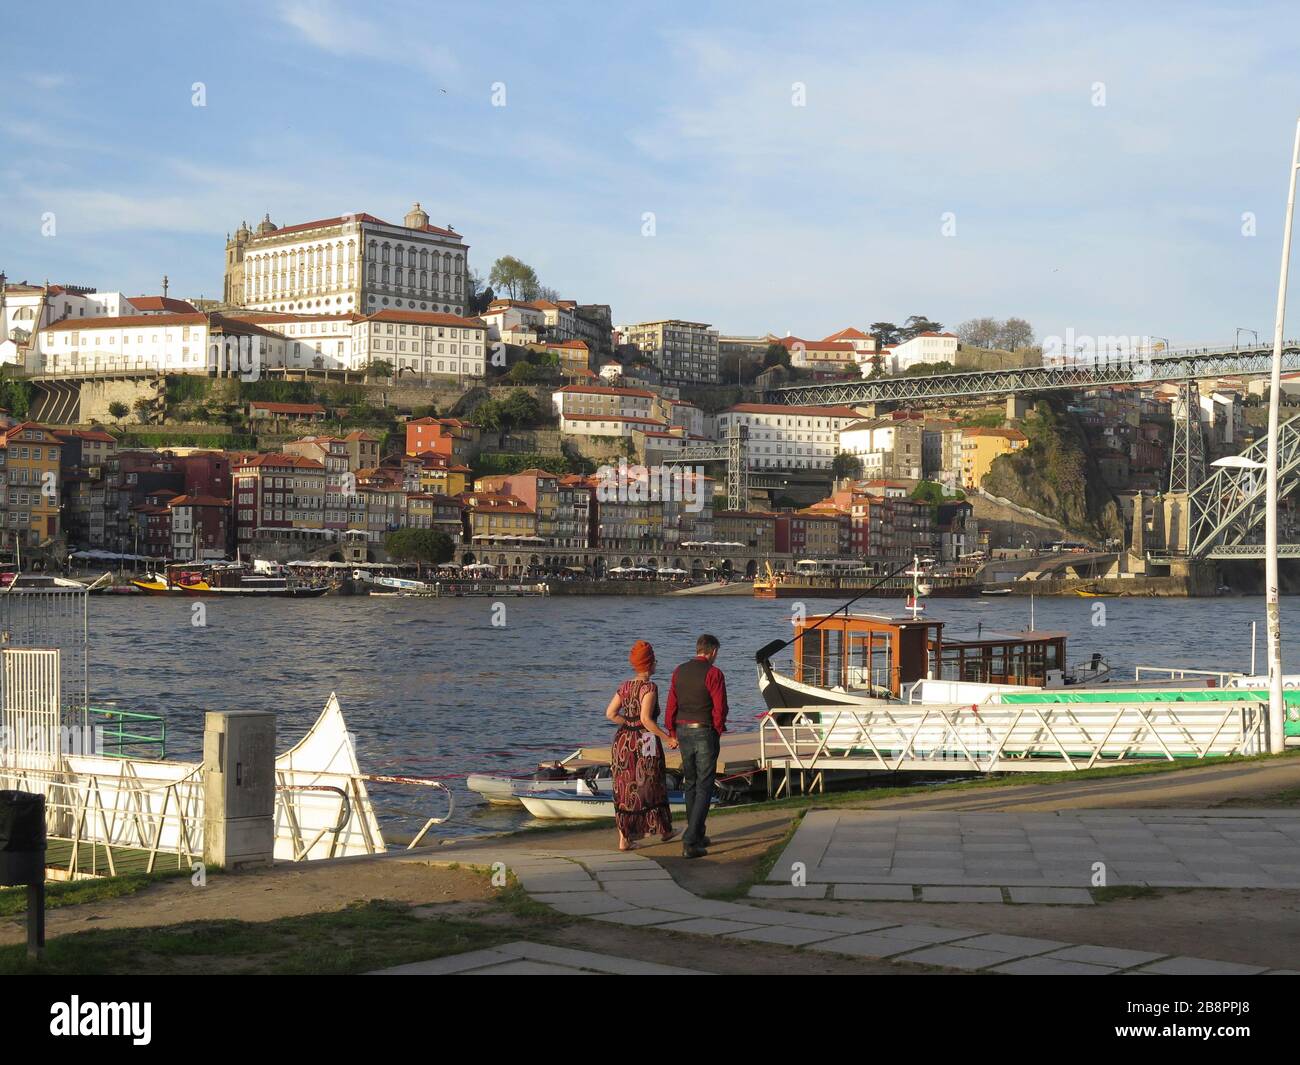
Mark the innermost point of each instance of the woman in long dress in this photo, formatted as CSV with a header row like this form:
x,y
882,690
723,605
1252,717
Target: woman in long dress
x,y
637,755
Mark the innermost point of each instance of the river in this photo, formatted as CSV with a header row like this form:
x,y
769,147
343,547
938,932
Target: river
x,y
444,687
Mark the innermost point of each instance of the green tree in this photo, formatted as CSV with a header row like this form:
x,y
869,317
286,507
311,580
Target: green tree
x,y
515,278
846,465
421,546
118,410
520,409
143,408
776,355
523,373
381,368
917,324
488,416
885,332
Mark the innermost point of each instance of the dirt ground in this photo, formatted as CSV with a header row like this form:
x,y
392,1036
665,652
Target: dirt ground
x,y
281,891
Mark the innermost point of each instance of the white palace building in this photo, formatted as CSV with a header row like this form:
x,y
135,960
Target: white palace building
x,y
352,264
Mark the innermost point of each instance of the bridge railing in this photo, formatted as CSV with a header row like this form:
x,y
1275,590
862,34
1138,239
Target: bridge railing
x,y
1005,738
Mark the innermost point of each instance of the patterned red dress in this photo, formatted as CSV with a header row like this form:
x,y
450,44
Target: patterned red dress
x,y
640,792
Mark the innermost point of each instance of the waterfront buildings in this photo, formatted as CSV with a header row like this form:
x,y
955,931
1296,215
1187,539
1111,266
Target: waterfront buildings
x,y
788,437
980,446
32,471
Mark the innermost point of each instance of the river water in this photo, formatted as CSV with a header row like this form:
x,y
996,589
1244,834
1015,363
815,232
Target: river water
x,y
444,687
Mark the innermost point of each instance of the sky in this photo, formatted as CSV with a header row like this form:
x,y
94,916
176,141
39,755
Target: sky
x,y
1110,169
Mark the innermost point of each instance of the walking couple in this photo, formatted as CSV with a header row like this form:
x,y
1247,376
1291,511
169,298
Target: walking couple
x,y
694,721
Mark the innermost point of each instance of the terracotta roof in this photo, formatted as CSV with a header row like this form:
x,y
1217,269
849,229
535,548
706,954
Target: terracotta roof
x,y
162,303
275,459
198,501
87,434
1009,434
425,318
340,219
850,334
566,344
126,321
815,345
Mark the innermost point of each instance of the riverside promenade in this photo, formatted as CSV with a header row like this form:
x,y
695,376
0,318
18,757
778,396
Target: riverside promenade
x,y
1186,889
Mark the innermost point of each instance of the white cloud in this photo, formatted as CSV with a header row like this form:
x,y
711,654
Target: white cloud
x,y
325,25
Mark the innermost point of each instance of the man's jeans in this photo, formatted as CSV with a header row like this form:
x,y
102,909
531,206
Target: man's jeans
x,y
699,750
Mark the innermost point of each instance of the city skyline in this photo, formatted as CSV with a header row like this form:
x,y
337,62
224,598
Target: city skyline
x,y
795,184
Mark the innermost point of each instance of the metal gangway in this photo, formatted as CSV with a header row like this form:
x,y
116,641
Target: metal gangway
x,y
1021,737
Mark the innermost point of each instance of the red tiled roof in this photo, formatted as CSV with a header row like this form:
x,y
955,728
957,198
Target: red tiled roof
x,y
198,501
425,318
130,320
274,459
340,219
162,303
850,334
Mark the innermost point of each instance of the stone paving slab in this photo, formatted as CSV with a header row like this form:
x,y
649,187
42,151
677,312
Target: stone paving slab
x,y
788,891
1181,966
875,892
1007,849
1048,966
931,893
1051,896
784,934
958,956
871,945
707,926
1019,946
1109,957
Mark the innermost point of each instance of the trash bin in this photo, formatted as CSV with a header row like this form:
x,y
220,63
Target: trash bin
x,y
22,838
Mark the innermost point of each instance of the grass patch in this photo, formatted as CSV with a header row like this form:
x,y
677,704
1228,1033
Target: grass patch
x,y
76,892
358,938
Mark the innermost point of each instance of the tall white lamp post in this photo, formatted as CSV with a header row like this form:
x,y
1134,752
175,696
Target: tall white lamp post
x,y
1272,606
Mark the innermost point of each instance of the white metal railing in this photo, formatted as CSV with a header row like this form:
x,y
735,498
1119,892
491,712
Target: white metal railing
x,y
1220,677
115,818
1016,737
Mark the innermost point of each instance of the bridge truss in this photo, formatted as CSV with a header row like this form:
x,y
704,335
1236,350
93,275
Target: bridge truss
x,y
1121,370
1226,508
734,451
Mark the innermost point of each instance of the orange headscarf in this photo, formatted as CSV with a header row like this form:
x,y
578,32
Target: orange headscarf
x,y
641,656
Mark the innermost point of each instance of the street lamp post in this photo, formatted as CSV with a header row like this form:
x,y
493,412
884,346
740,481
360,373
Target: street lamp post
x,y
1272,604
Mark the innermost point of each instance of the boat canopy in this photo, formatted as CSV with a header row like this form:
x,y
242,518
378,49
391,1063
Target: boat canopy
x,y
885,654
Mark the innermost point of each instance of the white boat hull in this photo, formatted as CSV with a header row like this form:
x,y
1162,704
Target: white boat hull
x,y
552,805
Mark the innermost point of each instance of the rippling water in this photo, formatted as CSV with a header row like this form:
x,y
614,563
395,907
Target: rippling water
x,y
433,688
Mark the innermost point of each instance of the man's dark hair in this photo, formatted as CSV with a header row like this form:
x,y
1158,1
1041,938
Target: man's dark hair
x,y
706,644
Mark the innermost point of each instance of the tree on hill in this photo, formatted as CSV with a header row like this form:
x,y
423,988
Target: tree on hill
x,y
917,324
381,368
143,408
885,332
118,410
776,355
515,278
846,465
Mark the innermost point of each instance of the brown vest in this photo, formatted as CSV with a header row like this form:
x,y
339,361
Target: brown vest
x,y
694,703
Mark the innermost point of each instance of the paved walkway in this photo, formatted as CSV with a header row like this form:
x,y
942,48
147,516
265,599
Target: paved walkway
x,y
950,856
534,959
630,889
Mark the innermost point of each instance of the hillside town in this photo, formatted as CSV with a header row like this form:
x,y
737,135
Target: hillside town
x,y
357,378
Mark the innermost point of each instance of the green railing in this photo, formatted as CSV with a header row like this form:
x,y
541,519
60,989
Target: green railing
x,y
116,728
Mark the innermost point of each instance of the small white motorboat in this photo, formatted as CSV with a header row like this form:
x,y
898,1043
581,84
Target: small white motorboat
x,y
572,805
504,790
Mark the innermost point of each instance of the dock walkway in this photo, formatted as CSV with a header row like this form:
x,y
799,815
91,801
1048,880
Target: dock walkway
x,y
630,889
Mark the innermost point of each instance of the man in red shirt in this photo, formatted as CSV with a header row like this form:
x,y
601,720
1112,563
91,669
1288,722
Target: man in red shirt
x,y
696,717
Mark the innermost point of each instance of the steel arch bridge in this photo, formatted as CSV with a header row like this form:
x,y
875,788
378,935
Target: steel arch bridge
x,y
1230,361
1227,507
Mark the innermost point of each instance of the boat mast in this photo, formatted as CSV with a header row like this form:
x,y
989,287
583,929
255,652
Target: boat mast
x,y
1272,603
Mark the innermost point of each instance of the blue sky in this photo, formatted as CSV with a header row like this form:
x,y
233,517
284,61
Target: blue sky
x,y
1117,219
